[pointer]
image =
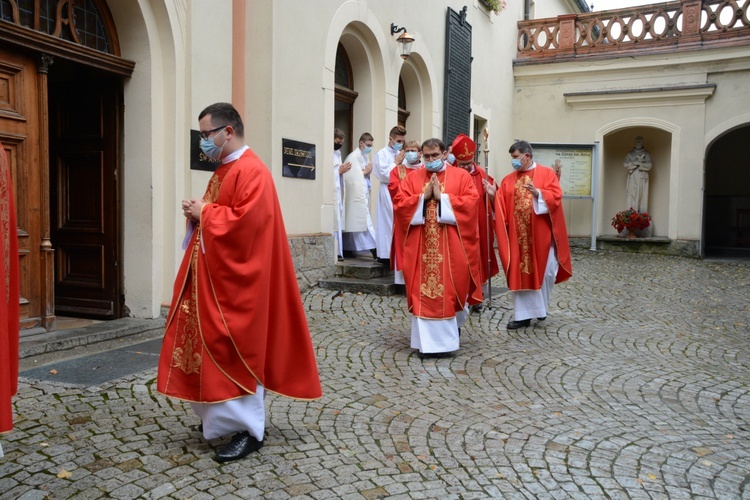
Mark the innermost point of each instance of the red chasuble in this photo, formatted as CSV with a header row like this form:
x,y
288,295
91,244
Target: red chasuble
x,y
237,317
440,261
398,174
488,260
524,238
9,296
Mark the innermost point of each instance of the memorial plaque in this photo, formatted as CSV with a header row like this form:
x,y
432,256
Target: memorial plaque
x,y
457,91
198,159
298,159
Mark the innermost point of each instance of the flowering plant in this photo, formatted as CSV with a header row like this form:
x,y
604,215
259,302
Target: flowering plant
x,y
631,220
496,6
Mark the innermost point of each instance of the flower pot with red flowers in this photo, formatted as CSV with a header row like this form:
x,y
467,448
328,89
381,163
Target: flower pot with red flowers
x,y
632,221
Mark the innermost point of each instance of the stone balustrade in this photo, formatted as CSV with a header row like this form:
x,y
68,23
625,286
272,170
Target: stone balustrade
x,y
656,28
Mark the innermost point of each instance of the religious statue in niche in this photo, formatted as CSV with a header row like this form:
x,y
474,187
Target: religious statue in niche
x,y
638,163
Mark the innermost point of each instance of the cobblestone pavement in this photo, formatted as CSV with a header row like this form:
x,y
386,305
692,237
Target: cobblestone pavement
x,y
636,386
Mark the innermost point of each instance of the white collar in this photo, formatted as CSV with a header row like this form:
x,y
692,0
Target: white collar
x,y
233,156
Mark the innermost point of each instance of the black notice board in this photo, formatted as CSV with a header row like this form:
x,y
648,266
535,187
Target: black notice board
x,y
298,159
457,92
198,160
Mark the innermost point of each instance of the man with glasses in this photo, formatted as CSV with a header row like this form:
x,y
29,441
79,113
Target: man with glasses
x,y
435,211
532,239
236,326
464,149
384,161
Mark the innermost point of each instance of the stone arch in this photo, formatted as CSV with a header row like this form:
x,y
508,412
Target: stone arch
x,y
662,140
156,108
419,96
726,193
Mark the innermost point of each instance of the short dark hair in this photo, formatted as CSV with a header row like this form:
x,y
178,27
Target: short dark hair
x,y
338,133
432,143
367,136
224,113
397,130
522,147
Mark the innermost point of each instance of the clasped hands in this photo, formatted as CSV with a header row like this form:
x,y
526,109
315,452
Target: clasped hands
x,y
432,190
191,209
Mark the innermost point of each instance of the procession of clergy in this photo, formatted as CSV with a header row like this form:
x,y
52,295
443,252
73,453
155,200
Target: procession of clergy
x,y
440,219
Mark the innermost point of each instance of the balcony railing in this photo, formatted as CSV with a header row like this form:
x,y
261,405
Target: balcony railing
x,y
663,27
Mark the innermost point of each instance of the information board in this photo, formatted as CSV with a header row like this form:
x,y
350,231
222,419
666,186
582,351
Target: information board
x,y
574,162
298,159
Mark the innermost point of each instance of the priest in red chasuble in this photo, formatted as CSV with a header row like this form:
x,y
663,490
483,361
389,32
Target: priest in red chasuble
x,y
464,149
9,298
531,234
435,211
236,327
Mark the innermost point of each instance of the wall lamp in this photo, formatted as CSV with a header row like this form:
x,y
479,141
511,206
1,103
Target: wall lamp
x,y
405,40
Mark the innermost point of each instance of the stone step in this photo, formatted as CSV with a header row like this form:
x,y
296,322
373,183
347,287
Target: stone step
x,y
379,286
362,268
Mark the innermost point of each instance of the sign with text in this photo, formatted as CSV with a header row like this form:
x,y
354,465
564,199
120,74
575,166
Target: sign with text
x,y
198,159
298,159
574,162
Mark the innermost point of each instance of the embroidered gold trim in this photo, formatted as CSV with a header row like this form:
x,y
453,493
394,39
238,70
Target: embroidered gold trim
x,y
432,286
5,208
187,358
523,209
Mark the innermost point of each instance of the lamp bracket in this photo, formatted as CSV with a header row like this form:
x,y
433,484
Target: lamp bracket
x,y
395,29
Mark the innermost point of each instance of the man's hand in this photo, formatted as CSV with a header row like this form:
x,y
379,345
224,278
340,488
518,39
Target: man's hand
x,y
367,169
435,186
344,167
191,209
532,189
399,159
490,189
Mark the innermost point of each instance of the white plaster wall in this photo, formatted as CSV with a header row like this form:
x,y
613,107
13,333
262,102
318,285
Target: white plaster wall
x,y
675,132
150,34
290,82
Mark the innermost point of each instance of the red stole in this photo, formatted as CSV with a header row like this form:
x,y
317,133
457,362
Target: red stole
x,y
440,261
9,296
237,317
524,238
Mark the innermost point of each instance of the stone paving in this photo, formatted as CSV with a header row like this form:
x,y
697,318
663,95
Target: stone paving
x,y
636,386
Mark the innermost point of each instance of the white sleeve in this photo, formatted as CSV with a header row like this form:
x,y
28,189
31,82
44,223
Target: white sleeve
x,y
418,217
540,206
446,214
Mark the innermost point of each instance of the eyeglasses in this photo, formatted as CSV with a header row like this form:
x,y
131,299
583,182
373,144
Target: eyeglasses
x,y
207,133
433,156
465,164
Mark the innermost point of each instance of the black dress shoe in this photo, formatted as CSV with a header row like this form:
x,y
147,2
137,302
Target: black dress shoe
x,y
200,428
477,308
241,445
542,318
514,325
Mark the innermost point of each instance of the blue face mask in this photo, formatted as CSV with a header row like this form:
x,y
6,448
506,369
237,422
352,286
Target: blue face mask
x,y
434,165
411,156
516,163
367,150
210,149
397,146
451,159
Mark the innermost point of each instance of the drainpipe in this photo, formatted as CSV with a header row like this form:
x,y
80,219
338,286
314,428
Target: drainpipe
x,y
526,9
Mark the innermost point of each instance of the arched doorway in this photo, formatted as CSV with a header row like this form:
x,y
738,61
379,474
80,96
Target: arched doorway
x,y
345,95
726,206
60,128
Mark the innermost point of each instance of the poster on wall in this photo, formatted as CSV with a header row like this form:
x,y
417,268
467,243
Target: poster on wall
x,y
298,159
573,163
